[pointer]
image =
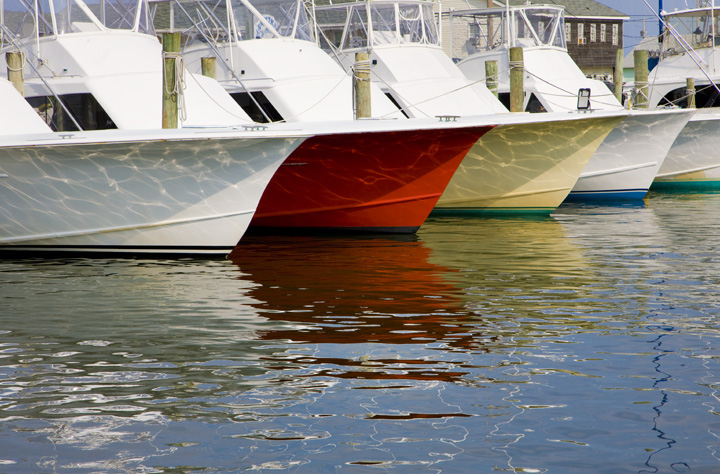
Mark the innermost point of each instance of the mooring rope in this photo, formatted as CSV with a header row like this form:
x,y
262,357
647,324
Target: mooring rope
x,y
641,90
178,87
516,65
22,63
491,81
362,67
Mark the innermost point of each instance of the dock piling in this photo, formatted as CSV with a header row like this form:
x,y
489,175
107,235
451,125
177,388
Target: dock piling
x,y
171,53
618,74
641,78
491,76
15,60
209,66
517,95
690,92
361,84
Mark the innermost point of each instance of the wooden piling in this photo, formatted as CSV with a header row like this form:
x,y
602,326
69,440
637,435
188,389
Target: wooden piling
x,y
641,78
171,50
517,95
618,74
14,60
491,76
209,66
690,91
362,85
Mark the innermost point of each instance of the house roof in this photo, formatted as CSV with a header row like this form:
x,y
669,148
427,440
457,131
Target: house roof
x,y
650,44
577,8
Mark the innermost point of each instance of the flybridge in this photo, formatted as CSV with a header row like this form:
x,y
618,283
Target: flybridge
x,y
694,29
55,17
237,20
491,29
376,23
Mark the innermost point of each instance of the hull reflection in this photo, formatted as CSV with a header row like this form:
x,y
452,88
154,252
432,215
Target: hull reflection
x,y
517,254
352,290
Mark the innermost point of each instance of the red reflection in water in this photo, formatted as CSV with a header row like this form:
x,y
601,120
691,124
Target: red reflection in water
x,y
353,290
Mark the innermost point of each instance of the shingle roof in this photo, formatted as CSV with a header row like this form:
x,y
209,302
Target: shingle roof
x,y
576,8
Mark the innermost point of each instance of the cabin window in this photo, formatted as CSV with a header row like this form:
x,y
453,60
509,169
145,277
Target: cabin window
x,y
593,32
251,108
705,96
603,33
395,102
504,98
615,35
357,29
86,111
534,105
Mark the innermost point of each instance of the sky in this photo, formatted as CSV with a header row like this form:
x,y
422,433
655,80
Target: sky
x,y
637,10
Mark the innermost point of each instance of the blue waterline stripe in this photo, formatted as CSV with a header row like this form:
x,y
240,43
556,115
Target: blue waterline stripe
x,y
616,194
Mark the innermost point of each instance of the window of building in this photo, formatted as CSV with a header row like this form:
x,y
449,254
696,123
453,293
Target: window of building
x,y
593,32
615,35
603,33
568,32
581,33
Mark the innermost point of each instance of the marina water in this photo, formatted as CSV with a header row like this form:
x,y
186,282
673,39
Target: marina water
x,y
586,341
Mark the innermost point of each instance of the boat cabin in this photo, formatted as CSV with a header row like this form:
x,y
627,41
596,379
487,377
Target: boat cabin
x,y
689,50
30,26
268,59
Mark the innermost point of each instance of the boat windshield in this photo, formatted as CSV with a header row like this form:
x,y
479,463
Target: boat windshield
x,y
346,25
283,18
535,27
255,19
27,19
486,30
479,31
696,28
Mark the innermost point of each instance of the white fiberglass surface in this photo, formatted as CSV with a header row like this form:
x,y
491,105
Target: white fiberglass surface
x,y
17,116
556,79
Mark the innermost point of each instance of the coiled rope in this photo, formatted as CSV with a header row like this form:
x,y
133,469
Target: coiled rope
x,y
491,81
178,86
362,67
22,62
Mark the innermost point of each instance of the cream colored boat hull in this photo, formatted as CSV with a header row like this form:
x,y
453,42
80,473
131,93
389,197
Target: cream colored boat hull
x,y
524,168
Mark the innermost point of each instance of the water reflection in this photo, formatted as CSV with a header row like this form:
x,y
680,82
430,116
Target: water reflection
x,y
347,291
586,341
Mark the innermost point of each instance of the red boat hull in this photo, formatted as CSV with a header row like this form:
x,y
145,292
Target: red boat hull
x,y
364,182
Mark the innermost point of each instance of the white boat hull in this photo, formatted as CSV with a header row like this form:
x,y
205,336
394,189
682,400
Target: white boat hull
x,y
627,161
694,158
191,195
